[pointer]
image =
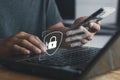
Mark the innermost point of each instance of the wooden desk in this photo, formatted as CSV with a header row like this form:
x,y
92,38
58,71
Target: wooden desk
x,y
10,75
114,75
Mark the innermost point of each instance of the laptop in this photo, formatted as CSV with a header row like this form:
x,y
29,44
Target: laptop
x,y
79,63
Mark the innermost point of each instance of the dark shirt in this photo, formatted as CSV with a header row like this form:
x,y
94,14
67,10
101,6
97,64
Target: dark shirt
x,y
31,16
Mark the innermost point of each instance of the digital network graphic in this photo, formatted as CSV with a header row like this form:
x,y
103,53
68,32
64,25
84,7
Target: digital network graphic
x,y
53,42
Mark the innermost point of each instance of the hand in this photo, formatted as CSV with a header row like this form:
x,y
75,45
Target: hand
x,y
82,36
21,43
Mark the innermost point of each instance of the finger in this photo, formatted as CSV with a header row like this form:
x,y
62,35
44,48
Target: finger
x,y
76,44
76,37
98,22
41,44
79,43
94,27
21,34
73,32
79,20
33,39
21,49
26,44
37,42
84,41
89,35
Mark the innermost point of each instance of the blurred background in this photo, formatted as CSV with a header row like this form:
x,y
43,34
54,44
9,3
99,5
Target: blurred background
x,y
72,9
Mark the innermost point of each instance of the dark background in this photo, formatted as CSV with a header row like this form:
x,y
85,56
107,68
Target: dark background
x,y
66,8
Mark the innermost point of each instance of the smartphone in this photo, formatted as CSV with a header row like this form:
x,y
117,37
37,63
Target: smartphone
x,y
95,17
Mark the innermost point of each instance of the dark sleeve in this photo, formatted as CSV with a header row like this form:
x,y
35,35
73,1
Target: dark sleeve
x,y
53,15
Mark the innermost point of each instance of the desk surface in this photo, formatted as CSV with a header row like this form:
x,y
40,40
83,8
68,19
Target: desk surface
x,y
10,75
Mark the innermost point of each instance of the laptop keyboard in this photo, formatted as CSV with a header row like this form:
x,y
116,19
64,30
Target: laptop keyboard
x,y
76,57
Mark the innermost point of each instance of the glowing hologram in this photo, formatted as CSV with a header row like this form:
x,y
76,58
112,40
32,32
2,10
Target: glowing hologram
x,y
54,41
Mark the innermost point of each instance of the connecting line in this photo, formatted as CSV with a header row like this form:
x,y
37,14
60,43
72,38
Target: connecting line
x,y
40,57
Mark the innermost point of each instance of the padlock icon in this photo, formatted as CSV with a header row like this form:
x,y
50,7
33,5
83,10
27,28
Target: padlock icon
x,y
52,43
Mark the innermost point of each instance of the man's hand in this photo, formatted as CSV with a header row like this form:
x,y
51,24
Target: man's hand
x,y
78,36
21,43
81,35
